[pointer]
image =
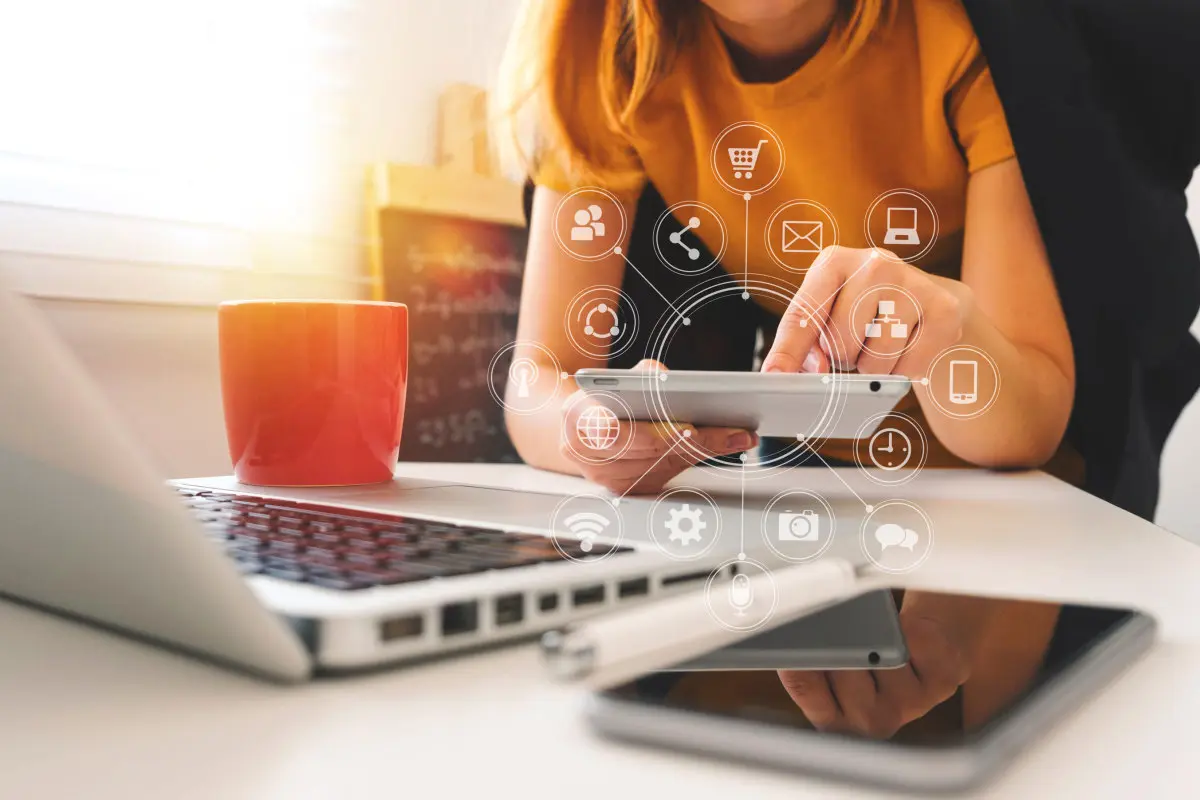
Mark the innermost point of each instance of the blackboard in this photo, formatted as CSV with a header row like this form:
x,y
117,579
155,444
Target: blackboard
x,y
461,281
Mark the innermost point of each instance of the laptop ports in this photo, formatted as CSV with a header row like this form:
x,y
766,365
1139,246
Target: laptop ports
x,y
460,618
510,609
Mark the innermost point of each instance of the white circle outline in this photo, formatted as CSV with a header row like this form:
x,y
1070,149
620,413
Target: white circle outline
x,y
716,513
616,239
618,522
632,321
627,419
867,550
837,238
887,254
499,398
741,190
716,573
906,475
669,325
828,512
909,340
995,371
669,213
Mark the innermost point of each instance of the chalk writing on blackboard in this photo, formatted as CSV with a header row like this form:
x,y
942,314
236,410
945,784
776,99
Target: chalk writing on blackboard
x,y
461,280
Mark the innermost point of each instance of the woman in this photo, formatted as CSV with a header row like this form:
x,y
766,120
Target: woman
x,y
866,97
871,96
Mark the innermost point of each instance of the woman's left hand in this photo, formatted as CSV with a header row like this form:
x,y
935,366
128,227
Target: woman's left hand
x,y
842,293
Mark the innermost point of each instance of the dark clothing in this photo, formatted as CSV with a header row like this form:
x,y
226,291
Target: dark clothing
x,y
1103,104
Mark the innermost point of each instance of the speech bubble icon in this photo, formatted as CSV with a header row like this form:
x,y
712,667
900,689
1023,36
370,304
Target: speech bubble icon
x,y
910,539
889,535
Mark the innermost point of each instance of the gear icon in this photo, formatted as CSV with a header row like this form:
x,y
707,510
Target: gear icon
x,y
685,524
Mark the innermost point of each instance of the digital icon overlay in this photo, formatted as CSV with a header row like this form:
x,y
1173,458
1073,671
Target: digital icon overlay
x,y
798,525
684,523
589,223
682,233
897,536
524,377
798,232
586,528
903,224
592,427
741,595
747,158
598,427
963,381
891,327
601,322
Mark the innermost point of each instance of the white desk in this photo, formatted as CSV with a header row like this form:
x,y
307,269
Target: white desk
x,y
88,714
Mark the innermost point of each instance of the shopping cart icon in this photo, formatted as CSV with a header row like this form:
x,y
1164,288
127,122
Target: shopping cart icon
x,y
744,159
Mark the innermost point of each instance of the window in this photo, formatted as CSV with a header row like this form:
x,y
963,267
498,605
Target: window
x,y
185,150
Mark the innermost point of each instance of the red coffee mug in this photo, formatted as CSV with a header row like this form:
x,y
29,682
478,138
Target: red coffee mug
x,y
314,390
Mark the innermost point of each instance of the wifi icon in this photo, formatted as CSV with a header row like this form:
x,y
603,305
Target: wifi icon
x,y
587,525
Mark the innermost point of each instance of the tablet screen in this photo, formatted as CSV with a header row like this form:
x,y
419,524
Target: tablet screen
x,y
973,661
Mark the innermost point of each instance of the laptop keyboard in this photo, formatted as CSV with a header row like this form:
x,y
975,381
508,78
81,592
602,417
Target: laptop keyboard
x,y
338,548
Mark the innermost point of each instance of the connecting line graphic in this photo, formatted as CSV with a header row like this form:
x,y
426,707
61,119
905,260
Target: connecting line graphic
x,y
742,547
836,474
746,241
686,434
621,252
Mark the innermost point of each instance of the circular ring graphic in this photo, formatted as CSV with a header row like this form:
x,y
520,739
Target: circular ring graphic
x,y
594,526
724,287
967,374
588,220
884,325
902,429
598,428
802,237
894,535
731,165
686,525
738,598
903,229
677,242
601,322
799,526
522,374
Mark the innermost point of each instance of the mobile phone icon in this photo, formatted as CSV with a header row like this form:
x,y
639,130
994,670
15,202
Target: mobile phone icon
x,y
964,382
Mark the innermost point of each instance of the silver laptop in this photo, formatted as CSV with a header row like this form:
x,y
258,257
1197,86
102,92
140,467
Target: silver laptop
x,y
269,581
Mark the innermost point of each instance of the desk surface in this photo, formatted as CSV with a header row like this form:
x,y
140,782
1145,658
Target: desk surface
x,y
88,713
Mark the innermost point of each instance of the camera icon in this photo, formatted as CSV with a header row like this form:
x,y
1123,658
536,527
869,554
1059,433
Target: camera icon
x,y
804,526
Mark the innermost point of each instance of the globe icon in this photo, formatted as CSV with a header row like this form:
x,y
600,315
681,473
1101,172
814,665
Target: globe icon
x,y
598,427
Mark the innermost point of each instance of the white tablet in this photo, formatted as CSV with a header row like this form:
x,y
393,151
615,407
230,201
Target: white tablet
x,y
825,406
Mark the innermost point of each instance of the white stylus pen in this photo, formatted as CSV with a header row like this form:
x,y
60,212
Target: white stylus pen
x,y
628,644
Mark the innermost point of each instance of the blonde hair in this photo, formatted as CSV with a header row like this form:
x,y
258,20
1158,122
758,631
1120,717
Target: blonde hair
x,y
563,54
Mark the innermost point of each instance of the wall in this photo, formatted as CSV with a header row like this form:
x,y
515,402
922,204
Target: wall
x,y
158,364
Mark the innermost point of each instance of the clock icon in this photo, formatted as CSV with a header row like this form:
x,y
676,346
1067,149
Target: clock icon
x,y
890,449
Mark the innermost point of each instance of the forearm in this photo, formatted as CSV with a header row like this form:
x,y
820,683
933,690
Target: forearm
x,y
538,436
1025,424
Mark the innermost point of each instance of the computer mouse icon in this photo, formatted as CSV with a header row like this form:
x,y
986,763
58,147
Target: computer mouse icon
x,y
741,595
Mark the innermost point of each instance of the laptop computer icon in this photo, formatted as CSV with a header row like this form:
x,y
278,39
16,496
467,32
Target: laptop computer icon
x,y
902,226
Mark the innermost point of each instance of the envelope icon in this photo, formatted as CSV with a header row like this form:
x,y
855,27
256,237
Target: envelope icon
x,y
803,236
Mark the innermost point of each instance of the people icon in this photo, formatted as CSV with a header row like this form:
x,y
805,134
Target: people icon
x,y
588,226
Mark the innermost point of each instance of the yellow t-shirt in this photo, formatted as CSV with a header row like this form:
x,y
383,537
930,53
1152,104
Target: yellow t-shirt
x,y
913,107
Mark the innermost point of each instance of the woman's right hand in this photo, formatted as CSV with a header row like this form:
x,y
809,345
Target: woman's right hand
x,y
654,455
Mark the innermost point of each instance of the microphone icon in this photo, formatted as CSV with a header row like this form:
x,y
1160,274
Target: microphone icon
x,y
740,594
